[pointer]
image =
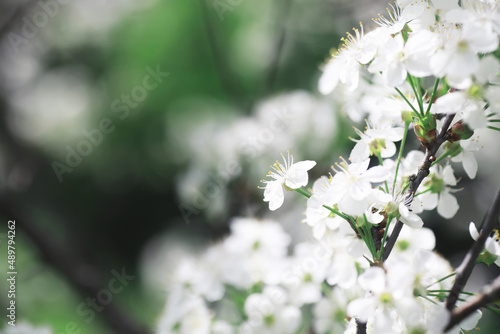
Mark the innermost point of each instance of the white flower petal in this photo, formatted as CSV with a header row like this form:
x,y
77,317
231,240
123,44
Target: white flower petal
x,y
319,230
330,78
360,152
362,308
395,74
474,233
429,200
448,177
470,164
389,150
343,272
352,206
471,321
296,175
360,190
274,194
376,174
373,279
409,218
447,205
359,167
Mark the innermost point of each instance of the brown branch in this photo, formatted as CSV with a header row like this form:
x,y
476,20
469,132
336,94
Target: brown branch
x,y
416,180
488,294
465,269
360,327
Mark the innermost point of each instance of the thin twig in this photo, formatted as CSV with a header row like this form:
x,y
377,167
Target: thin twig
x,y
465,268
488,294
416,180
228,82
280,42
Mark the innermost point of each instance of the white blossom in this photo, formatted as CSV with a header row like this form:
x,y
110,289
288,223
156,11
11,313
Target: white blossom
x,y
289,174
439,192
353,182
345,65
269,312
379,138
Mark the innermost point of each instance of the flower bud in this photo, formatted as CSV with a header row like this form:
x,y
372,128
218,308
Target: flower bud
x,y
425,129
459,131
425,137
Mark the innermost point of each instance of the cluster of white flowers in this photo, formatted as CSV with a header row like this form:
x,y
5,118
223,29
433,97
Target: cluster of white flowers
x,y
249,283
428,61
431,64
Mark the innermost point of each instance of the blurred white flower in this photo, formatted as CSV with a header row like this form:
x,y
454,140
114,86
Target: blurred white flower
x,y
385,301
185,313
329,312
309,271
222,327
254,252
269,312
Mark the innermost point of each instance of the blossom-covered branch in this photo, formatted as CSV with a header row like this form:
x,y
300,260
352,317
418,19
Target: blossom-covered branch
x,y
416,180
429,65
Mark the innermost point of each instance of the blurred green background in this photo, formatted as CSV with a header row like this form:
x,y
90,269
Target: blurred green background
x,y
67,66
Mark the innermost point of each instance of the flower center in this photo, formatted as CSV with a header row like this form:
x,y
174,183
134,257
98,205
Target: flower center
x,y
386,298
269,320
